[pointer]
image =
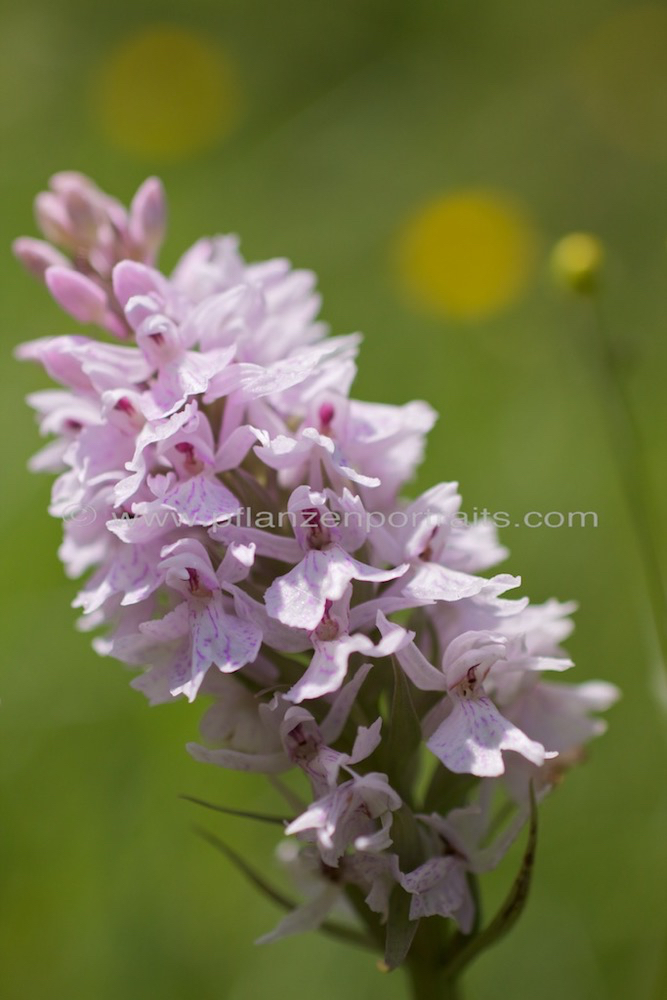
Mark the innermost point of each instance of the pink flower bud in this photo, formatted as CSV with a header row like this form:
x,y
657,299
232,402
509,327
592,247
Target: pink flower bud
x,y
131,279
84,216
77,295
66,181
89,210
148,217
52,219
36,255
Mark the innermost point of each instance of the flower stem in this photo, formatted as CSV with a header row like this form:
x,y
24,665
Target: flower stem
x,y
629,454
427,982
425,964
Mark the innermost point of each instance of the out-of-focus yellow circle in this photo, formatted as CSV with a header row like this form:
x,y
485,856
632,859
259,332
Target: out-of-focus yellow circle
x,y
621,72
576,262
467,254
165,92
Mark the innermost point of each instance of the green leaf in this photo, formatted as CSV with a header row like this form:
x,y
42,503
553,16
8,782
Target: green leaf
x,y
404,737
400,929
465,948
346,934
447,790
406,839
244,814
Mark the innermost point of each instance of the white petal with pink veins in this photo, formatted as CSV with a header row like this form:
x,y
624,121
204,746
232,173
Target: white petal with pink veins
x,y
328,667
157,683
201,500
299,597
186,376
276,635
218,638
437,887
172,626
283,374
132,571
473,736
438,583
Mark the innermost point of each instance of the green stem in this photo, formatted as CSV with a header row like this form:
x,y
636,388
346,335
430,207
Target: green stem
x,y
425,964
628,450
627,446
428,982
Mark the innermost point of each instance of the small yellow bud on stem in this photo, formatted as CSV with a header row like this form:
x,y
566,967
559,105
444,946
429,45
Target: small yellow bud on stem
x,y
576,262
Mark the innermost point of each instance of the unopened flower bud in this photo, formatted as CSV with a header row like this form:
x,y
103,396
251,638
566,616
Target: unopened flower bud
x,y
148,217
83,216
576,262
77,295
37,255
53,219
65,181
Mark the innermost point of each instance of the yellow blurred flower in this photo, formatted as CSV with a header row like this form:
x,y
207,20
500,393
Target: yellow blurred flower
x,y
165,92
467,255
576,261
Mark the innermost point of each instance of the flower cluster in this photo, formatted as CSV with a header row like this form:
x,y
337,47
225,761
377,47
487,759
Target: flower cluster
x,y
328,641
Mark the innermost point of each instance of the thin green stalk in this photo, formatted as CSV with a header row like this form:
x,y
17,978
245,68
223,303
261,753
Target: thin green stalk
x,y
632,467
425,964
428,982
629,452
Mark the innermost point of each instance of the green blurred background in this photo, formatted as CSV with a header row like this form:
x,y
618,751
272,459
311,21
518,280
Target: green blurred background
x,y
422,157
